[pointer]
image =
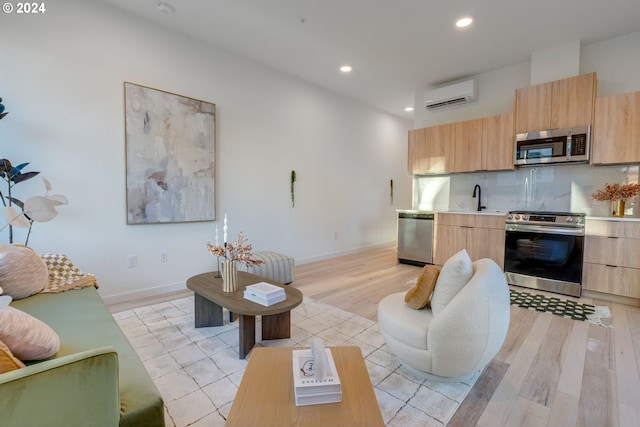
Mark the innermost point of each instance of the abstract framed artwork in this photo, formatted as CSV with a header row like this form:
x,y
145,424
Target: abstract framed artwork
x,y
170,157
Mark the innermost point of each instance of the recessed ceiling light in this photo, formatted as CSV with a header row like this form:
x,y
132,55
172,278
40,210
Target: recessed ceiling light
x,y
408,109
464,22
164,8
346,68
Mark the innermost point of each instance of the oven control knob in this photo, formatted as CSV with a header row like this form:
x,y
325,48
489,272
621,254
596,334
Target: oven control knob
x,y
525,217
509,217
517,217
578,220
569,219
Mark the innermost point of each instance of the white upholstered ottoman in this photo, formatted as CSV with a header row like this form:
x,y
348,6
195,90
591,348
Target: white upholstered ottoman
x,y
276,266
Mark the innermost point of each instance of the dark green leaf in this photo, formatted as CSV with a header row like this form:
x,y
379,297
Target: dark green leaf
x,y
23,177
16,202
21,166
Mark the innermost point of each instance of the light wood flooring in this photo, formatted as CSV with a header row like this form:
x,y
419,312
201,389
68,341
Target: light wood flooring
x,y
550,371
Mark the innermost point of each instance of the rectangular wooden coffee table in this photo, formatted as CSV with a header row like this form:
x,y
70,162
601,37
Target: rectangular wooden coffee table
x,y
266,397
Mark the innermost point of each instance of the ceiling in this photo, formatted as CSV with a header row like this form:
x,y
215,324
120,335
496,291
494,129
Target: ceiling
x,y
394,46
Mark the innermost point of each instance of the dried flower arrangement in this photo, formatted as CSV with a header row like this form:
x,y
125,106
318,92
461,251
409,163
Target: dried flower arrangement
x,y
617,192
240,251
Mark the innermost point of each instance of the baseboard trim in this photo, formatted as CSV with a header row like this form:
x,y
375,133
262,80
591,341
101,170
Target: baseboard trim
x,y
145,293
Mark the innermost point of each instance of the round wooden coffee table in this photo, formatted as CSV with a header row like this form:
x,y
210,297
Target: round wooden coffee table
x,y
210,299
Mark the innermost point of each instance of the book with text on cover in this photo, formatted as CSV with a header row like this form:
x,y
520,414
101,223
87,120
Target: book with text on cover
x,y
304,380
265,301
264,293
263,290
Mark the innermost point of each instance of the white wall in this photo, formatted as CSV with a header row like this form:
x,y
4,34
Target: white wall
x,y
616,62
496,95
63,74
561,188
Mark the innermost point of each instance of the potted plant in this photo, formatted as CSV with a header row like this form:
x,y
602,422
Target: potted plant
x,y
36,208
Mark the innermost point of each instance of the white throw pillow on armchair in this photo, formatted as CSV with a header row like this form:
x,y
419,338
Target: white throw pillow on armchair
x,y
455,273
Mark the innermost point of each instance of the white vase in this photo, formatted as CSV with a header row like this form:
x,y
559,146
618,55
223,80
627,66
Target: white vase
x,y
229,276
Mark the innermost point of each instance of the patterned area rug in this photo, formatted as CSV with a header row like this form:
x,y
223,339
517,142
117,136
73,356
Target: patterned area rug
x,y
560,307
198,371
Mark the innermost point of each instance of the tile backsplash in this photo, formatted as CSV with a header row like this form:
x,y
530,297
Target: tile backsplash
x,y
565,188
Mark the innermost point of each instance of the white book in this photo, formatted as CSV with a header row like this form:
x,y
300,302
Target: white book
x,y
317,399
265,301
264,290
304,380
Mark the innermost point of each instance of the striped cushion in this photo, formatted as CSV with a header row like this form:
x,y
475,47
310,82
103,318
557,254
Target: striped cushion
x,y
276,266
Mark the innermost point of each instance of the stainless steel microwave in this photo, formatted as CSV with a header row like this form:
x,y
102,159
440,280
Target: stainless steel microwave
x,y
553,146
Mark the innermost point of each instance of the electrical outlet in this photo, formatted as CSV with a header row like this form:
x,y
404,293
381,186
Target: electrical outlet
x,y
164,257
132,261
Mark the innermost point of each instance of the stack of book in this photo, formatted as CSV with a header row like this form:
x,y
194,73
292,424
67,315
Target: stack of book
x,y
307,389
264,293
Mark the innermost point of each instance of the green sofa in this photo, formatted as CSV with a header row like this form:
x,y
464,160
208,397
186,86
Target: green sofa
x,y
95,379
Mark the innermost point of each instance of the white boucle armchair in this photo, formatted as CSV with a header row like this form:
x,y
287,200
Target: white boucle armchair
x,y
459,338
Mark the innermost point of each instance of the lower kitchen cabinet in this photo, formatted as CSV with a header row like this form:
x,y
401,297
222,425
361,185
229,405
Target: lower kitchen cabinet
x,y
611,279
611,261
481,235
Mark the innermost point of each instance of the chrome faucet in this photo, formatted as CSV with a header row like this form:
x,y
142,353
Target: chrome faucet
x,y
480,207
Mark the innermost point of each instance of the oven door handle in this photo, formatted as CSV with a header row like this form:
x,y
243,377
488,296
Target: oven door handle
x,y
545,230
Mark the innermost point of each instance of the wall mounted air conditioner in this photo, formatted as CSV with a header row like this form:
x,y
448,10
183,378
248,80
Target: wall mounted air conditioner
x,y
452,95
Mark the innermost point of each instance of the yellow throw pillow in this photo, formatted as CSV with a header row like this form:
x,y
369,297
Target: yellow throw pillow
x,y
8,362
420,295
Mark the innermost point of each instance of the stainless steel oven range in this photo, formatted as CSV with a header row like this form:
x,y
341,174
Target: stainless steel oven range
x,y
543,250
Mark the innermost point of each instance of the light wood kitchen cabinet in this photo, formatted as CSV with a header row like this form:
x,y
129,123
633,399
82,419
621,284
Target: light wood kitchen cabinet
x,y
481,235
611,261
467,146
431,150
559,104
616,129
419,151
497,142
467,140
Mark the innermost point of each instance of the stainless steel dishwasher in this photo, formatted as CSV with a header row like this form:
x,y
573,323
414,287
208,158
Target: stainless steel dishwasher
x,y
415,238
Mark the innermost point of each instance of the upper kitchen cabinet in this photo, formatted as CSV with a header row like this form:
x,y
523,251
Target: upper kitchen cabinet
x,y
468,146
560,104
616,130
467,139
497,142
431,150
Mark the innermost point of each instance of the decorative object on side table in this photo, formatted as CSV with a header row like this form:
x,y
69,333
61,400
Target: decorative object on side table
x,y
618,194
233,253
36,208
264,293
315,377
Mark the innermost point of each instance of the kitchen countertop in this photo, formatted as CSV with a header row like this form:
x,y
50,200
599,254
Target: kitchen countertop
x,y
495,213
614,218
500,213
